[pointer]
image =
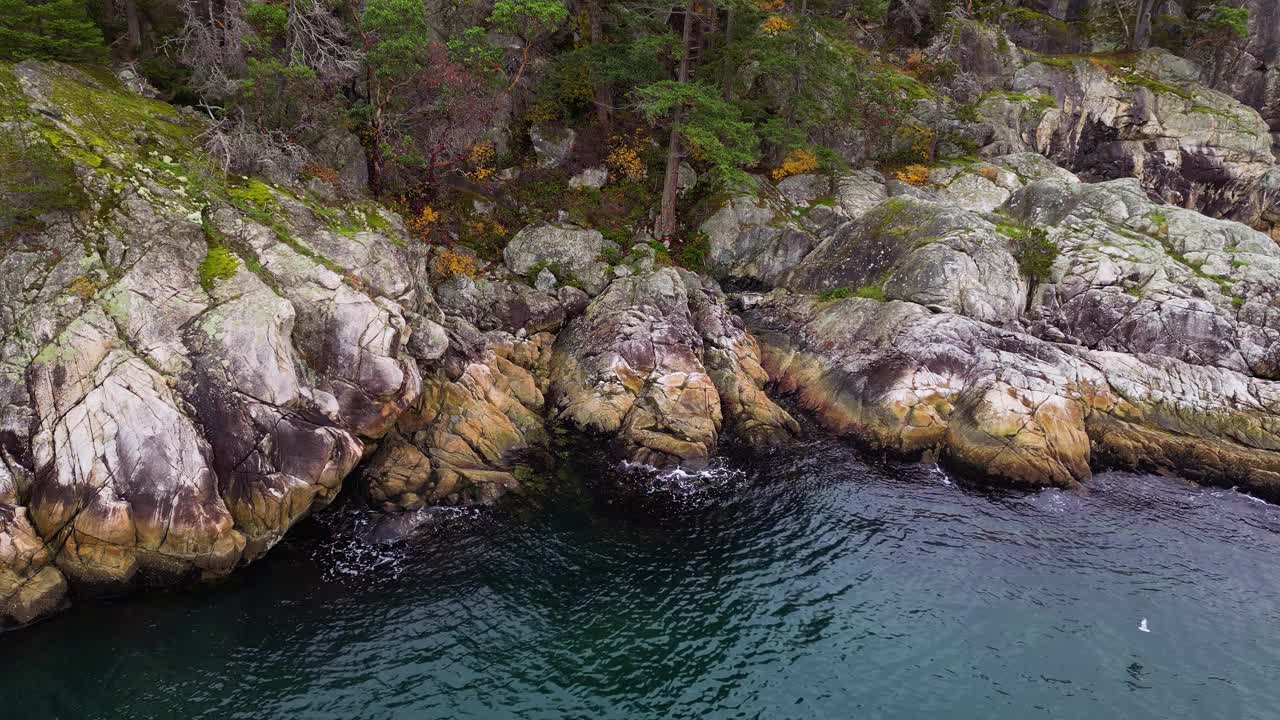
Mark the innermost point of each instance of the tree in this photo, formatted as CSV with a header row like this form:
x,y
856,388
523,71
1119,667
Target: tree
x,y
528,21
704,124
1141,38
393,34
49,30
665,99
424,109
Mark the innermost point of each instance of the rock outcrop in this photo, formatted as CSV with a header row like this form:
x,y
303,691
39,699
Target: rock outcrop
x,y
191,363
188,366
1150,343
1145,116
657,362
896,376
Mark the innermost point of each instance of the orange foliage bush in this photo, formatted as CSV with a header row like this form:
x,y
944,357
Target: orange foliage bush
x,y
449,263
914,175
796,162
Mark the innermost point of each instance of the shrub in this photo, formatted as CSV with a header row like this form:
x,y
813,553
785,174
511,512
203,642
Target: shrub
x,y
797,162
480,161
916,175
323,173
420,224
693,255
776,25
1035,252
625,159
448,264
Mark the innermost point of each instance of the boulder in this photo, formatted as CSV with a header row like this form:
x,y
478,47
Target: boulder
x,y
592,178
553,144
571,252
755,240
923,252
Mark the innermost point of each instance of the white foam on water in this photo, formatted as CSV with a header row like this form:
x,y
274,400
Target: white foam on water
x,y
681,482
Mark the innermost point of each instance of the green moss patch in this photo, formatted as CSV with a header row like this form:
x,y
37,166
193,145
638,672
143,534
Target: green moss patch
x,y
219,264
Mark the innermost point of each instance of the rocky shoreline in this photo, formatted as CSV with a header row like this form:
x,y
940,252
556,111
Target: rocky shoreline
x,y
190,364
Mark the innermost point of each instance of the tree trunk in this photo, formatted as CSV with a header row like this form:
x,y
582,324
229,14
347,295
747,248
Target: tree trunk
x,y
666,226
1142,26
134,24
377,128
727,80
603,95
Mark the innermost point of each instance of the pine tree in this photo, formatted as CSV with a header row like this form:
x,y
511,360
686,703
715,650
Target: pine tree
x,y
49,30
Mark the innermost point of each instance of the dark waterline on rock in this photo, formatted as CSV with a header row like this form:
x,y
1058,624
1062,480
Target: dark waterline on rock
x,y
805,585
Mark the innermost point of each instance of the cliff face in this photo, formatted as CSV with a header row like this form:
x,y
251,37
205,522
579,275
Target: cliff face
x,y
190,362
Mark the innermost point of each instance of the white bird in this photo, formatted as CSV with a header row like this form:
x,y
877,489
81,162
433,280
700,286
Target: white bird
x,y
1143,626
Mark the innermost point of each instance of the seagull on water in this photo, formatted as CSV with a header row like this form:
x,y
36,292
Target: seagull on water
x,y
1143,626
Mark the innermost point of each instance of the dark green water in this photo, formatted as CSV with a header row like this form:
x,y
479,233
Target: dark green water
x,y
807,585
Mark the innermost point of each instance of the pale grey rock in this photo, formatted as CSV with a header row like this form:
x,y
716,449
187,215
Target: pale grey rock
x,y
562,247
546,280
686,179
552,144
804,189
1141,277
751,239
923,252
859,191
592,178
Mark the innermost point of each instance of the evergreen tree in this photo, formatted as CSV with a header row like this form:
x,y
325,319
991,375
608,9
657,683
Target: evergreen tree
x,y
49,30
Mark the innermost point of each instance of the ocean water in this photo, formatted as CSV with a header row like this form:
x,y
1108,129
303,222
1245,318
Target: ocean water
x,y
812,583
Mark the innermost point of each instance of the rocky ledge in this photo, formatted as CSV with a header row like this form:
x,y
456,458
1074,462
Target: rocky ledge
x,y
191,363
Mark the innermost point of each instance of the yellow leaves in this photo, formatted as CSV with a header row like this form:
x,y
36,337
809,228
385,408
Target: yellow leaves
x,y
448,264
770,5
919,140
624,159
776,25
421,223
797,162
83,287
480,160
916,175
